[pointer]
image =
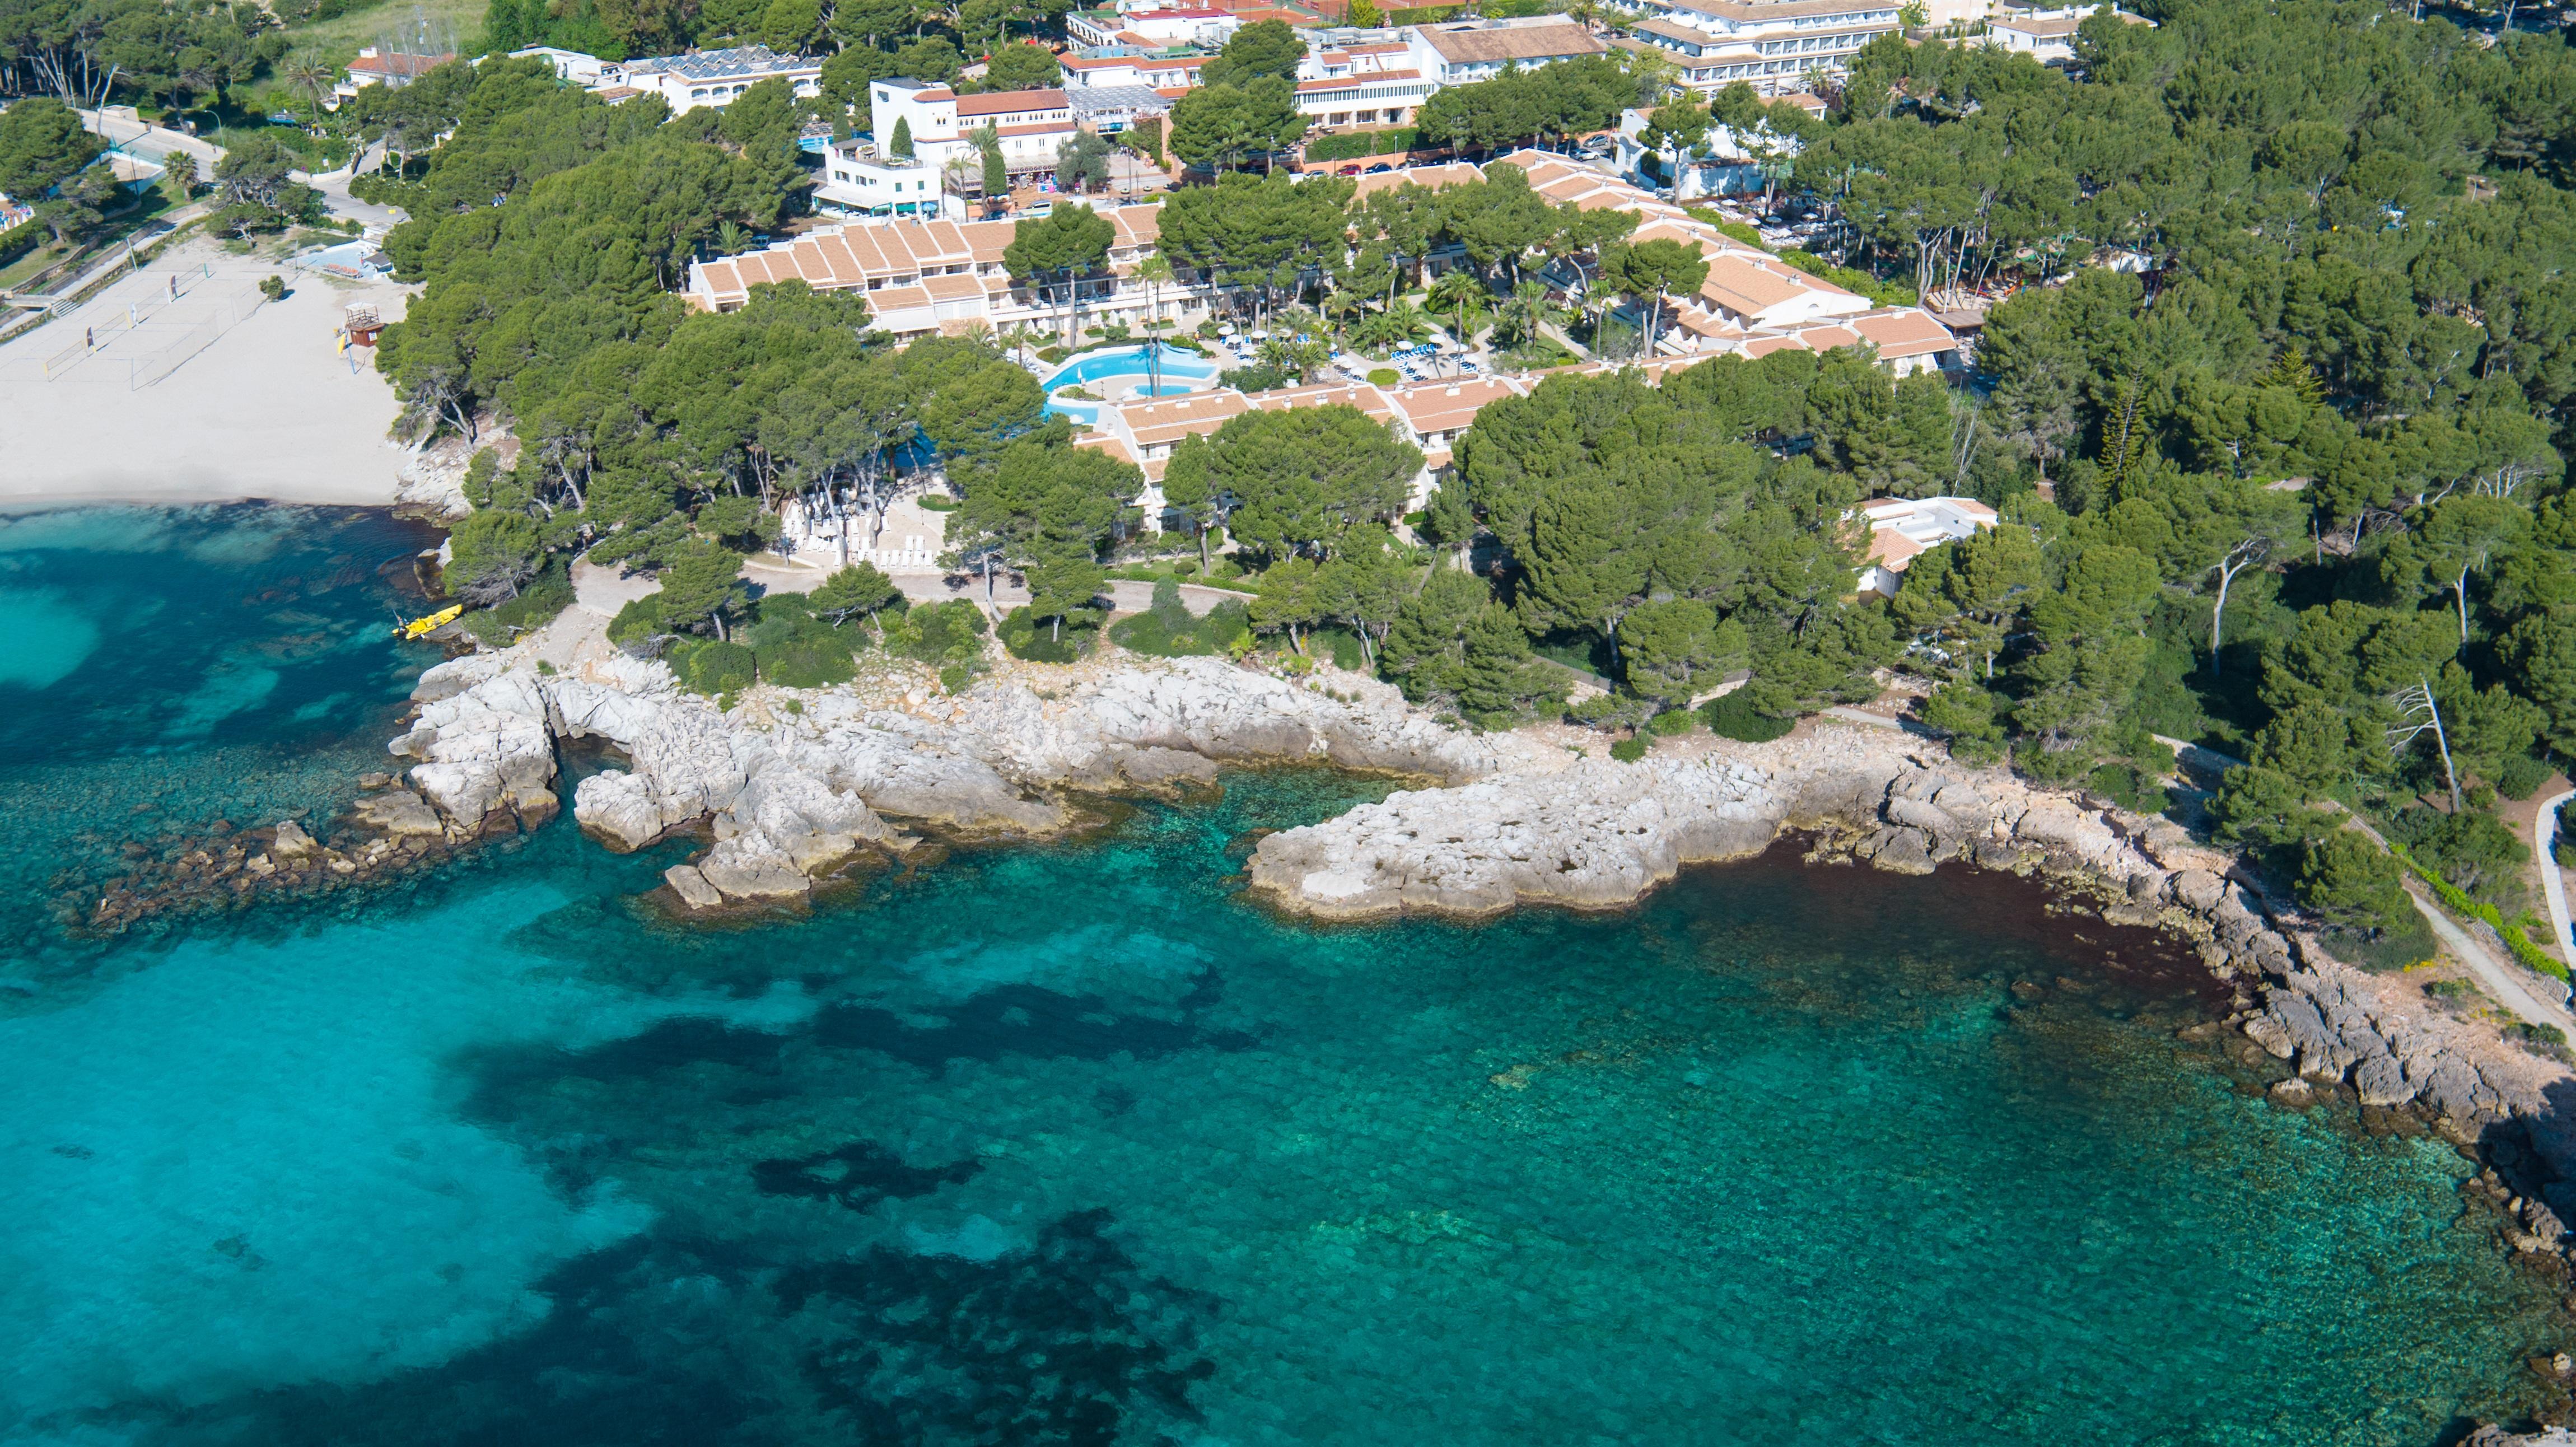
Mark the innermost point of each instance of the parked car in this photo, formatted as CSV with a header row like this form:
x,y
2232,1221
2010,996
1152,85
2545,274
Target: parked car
x,y
1380,169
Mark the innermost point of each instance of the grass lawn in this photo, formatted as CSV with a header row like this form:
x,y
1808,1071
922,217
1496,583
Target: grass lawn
x,y
341,38
31,263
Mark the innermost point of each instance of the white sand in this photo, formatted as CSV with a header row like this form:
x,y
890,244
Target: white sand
x,y
269,409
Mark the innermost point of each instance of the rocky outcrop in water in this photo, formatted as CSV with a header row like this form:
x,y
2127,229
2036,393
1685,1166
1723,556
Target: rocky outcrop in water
x,y
385,830
1596,833
790,787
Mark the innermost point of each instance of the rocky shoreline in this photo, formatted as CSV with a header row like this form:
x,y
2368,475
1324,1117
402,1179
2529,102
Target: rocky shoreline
x,y
791,785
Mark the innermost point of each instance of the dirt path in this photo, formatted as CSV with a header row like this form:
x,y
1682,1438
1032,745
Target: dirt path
x,y
2503,983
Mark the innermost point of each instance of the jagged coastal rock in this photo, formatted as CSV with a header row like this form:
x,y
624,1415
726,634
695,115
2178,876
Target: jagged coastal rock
x,y
791,784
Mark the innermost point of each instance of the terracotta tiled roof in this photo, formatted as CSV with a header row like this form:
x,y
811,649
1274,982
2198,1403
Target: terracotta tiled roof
x,y
1157,420
404,66
1366,398
1903,332
1474,43
1891,549
1430,407
1455,173
1008,102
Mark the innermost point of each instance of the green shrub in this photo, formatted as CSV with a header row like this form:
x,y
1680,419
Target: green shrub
x,y
1041,641
936,502
2404,944
1384,377
2521,777
1343,646
1749,234
714,668
2473,851
956,676
1672,723
1629,751
1353,146
2532,956
638,620
545,596
2353,884
2546,1040
1166,630
1256,377
1734,717
2128,787
799,650
20,239
939,633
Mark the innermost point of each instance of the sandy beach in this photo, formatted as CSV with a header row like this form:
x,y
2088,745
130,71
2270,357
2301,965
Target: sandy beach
x,y
260,404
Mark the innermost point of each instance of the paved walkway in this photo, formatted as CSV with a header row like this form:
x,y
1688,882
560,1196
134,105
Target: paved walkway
x,y
151,142
2544,828
1125,595
334,186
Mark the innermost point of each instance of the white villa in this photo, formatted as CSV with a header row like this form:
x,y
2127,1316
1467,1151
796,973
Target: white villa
x,y
1901,529
707,77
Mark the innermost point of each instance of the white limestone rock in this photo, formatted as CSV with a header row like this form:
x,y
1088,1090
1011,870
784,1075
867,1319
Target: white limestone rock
x,y
692,887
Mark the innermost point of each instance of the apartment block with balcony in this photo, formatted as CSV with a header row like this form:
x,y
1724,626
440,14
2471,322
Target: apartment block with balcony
x,y
1771,45
1032,125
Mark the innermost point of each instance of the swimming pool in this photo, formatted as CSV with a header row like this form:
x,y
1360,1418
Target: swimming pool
x,y
1131,362
1181,372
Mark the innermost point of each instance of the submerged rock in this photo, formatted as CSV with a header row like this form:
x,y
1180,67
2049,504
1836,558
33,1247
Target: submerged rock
x,y
399,814
789,796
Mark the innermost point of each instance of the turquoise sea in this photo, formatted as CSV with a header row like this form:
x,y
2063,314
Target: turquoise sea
x,y
1069,1144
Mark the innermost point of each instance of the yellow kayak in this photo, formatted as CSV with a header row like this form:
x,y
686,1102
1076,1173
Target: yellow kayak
x,y
422,627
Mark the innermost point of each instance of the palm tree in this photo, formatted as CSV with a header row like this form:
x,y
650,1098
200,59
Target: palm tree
x,y
1018,335
1528,311
1456,293
1155,270
1399,325
1290,355
309,73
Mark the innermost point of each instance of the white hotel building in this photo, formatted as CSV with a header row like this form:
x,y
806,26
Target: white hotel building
x,y
1770,45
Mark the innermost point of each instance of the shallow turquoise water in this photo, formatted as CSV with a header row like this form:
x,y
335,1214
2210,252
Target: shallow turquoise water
x,y
1068,1144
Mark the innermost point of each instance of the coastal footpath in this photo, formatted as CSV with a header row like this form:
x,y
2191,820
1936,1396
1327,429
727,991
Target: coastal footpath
x,y
788,786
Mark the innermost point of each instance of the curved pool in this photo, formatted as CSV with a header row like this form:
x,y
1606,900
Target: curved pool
x,y
1087,412
1131,362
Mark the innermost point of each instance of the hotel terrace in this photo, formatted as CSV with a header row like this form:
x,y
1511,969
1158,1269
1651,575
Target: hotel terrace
x,y
925,278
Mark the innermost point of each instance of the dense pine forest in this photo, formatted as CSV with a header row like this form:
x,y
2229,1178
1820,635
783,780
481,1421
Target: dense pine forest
x,y
2275,417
